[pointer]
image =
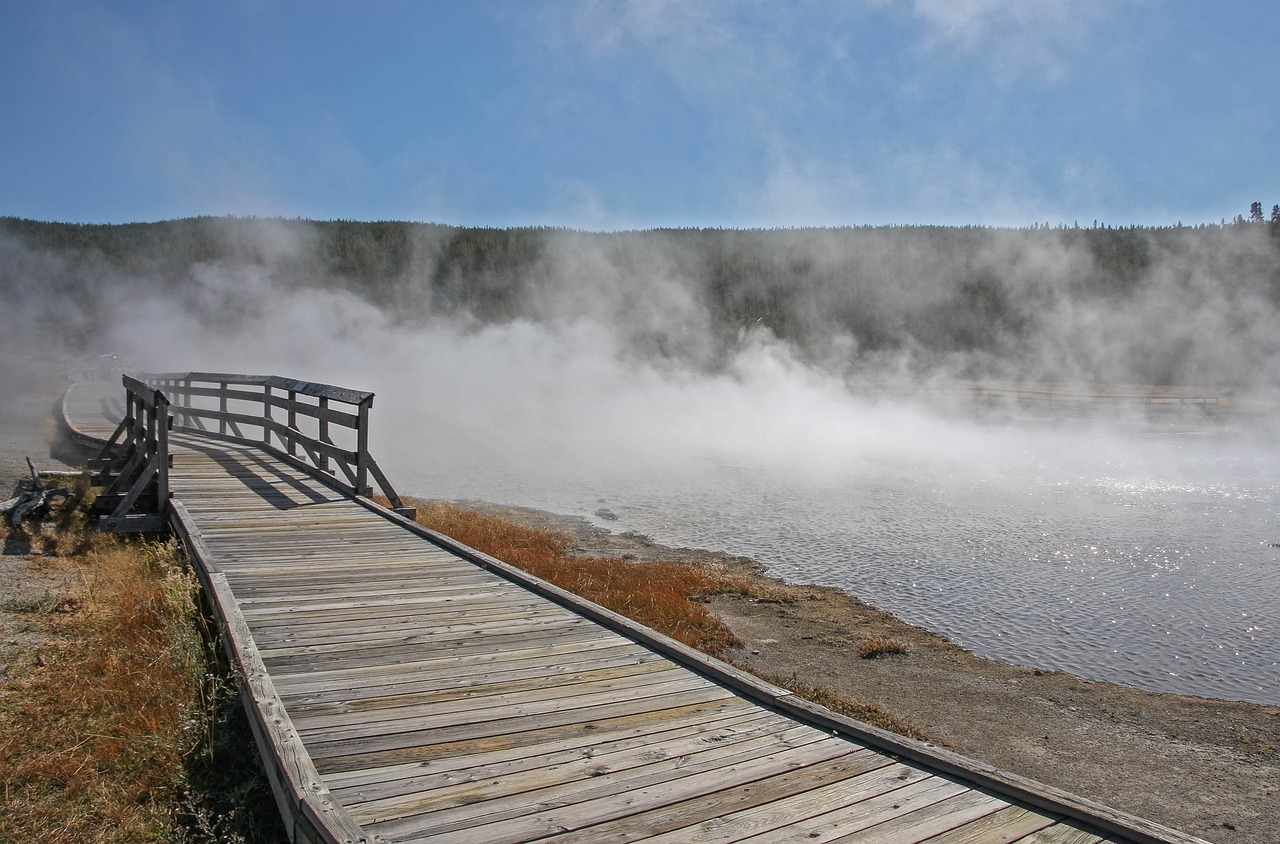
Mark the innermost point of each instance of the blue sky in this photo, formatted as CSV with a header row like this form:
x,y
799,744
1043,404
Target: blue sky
x,y
603,114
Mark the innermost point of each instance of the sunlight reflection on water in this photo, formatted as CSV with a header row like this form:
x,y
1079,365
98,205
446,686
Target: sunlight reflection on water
x,y
1155,570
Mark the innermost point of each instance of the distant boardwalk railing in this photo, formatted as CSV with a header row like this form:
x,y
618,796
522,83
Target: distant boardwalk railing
x,y
294,420
243,408
1093,395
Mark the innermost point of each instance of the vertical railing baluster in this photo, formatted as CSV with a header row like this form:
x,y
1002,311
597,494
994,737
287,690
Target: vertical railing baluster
x,y
293,422
222,407
362,447
162,452
324,433
266,413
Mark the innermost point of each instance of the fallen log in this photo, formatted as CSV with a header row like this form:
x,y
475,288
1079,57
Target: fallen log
x,y
35,502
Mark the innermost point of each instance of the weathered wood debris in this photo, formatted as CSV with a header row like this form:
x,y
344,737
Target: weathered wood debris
x,y
35,501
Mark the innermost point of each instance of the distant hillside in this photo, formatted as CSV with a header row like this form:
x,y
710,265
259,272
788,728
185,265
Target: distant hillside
x,y
1160,306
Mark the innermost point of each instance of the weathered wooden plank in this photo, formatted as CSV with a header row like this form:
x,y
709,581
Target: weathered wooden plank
x,y
350,565
441,599
396,779
450,685
464,785
1064,833
354,684
924,823
474,741
277,640
304,587
374,655
502,727
321,677
829,821
386,624
334,624
422,706
867,796
1013,823
362,725
573,805
478,593
340,606
748,809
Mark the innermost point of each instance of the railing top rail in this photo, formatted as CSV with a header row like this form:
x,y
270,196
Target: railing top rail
x,y
306,388
143,390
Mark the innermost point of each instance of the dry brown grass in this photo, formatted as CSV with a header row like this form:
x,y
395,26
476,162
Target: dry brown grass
x,y
876,648
868,713
662,596
95,729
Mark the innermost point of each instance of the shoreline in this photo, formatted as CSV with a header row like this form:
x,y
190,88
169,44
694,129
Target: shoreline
x,y
1205,766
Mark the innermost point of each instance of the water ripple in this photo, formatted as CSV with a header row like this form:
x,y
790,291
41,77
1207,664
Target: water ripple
x,y
1154,571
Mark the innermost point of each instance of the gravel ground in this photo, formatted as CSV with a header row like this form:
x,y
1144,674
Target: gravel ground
x,y
31,586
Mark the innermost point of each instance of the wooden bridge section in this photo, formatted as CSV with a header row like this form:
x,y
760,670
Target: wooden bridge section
x,y
402,687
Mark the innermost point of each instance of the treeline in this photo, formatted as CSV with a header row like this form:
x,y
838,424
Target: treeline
x,y
977,297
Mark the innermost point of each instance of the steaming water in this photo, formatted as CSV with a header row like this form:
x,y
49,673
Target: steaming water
x,y
1148,564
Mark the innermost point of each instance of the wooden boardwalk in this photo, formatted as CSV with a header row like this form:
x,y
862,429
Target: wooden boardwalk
x,y
404,688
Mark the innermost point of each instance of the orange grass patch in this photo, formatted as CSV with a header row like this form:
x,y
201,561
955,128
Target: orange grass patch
x,y
662,596
95,731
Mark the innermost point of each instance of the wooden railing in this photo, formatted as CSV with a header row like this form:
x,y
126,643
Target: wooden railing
x,y
319,428
134,464
1080,395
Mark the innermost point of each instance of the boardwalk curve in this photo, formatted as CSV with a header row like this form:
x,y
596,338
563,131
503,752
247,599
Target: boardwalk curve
x,y
403,687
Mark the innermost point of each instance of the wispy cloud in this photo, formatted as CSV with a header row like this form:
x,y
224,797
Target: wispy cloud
x,y
1014,37
706,50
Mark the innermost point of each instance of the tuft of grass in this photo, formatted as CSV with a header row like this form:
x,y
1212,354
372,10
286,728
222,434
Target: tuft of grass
x,y
662,596
875,648
46,604
869,713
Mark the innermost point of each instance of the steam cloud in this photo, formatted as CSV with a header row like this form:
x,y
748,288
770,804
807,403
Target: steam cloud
x,y
613,357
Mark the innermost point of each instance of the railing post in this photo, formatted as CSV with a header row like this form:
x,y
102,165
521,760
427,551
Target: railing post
x,y
162,452
266,413
151,429
362,447
293,421
139,423
222,407
324,433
